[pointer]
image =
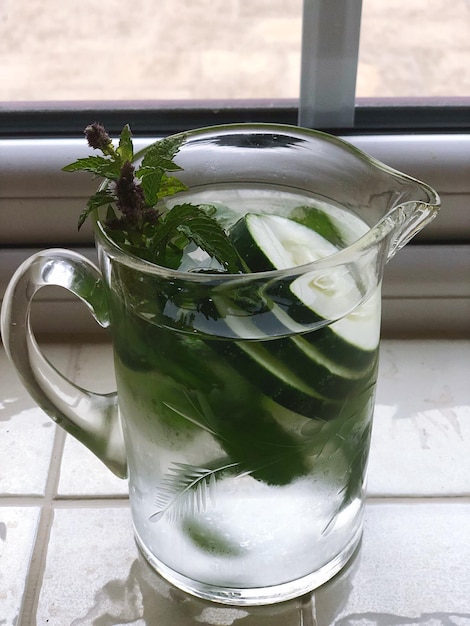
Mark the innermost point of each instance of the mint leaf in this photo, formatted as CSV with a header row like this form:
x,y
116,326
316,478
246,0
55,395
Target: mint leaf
x,y
157,185
150,179
319,221
162,153
157,162
158,159
111,215
125,149
199,227
98,199
134,218
169,186
97,165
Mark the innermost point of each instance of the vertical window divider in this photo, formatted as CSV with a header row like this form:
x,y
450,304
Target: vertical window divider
x,y
330,50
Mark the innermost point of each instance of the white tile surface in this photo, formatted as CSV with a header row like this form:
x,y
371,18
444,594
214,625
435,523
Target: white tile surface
x,y
26,440
95,575
414,567
82,474
26,433
421,435
90,551
94,368
17,533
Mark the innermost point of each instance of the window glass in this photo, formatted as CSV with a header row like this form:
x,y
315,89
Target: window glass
x,y
414,48
82,50
149,49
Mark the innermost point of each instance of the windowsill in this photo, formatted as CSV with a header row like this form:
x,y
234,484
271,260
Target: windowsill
x,y
66,536
426,289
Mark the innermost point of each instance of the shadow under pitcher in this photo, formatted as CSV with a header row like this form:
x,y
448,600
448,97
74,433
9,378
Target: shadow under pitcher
x,y
244,402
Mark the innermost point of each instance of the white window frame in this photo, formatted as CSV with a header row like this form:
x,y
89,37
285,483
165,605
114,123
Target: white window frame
x,y
330,50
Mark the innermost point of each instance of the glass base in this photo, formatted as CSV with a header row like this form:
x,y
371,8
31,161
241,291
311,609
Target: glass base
x,y
253,596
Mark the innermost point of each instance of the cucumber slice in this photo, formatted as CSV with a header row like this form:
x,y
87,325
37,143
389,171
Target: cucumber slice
x,y
311,373
265,323
273,377
272,242
361,329
354,339
326,375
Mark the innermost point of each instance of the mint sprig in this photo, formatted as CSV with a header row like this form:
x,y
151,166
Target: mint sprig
x,y
193,223
133,219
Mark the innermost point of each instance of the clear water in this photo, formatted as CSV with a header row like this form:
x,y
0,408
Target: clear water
x,y
247,471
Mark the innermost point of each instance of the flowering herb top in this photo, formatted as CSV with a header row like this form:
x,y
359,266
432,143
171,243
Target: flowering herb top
x,y
131,195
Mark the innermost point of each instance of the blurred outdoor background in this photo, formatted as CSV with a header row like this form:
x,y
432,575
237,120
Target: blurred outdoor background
x,y
180,49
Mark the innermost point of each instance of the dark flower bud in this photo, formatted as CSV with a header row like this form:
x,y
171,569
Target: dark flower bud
x,y
127,173
130,197
150,215
97,137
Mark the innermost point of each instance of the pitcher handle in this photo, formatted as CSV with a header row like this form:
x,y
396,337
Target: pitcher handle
x,y
90,417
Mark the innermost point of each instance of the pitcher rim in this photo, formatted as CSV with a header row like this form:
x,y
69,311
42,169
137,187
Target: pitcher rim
x,y
372,237
303,131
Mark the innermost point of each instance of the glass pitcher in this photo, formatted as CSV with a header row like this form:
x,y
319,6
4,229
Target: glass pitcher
x,y
244,402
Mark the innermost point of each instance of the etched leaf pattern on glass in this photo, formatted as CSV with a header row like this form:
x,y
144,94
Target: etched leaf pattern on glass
x,y
188,489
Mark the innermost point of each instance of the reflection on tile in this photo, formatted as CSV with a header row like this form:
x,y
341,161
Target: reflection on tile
x,y
414,568
164,605
89,549
421,436
94,574
83,474
26,433
17,532
322,606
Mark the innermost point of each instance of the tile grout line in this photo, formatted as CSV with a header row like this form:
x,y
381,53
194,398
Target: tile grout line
x,y
110,500
418,499
37,565
34,578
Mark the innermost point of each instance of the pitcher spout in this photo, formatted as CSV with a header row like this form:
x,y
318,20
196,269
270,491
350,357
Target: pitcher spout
x,y
395,206
408,219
